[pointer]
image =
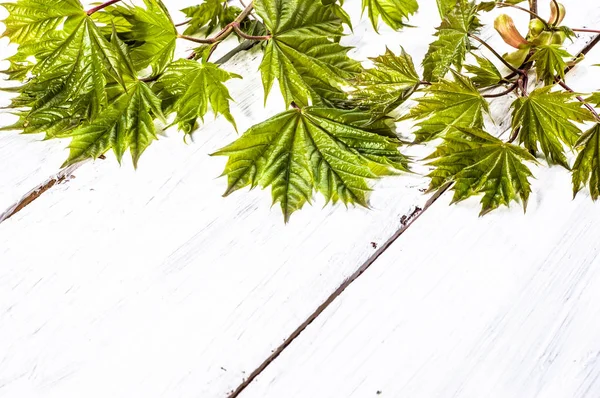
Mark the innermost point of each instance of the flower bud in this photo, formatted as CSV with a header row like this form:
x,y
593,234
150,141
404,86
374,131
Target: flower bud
x,y
506,27
556,15
536,27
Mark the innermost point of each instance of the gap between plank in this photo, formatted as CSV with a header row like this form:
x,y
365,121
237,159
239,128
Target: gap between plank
x,y
406,223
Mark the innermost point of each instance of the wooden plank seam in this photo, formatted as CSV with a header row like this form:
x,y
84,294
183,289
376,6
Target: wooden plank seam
x,y
406,223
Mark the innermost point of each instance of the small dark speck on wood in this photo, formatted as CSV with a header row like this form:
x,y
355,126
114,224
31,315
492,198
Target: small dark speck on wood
x,y
378,392
374,244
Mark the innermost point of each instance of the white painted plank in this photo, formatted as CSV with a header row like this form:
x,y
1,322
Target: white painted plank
x,y
501,306
150,284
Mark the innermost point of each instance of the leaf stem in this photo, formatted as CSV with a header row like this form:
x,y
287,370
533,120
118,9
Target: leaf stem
x,y
209,40
585,30
580,98
239,32
101,6
532,13
183,23
518,71
503,93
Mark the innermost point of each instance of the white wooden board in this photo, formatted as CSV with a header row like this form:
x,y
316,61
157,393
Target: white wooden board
x,y
123,284
459,306
149,283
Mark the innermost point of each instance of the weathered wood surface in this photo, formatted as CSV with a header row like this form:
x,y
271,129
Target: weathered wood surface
x,y
500,306
148,283
158,286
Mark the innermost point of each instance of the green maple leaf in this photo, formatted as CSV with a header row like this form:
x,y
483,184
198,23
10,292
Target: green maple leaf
x,y
322,149
392,12
586,169
127,123
70,82
452,42
544,120
38,27
188,87
149,31
388,84
479,163
208,15
31,20
303,53
550,62
485,74
448,104
594,99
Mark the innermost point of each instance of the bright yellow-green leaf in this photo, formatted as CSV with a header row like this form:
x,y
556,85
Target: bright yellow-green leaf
x,y
303,53
448,104
586,169
188,87
479,163
452,43
545,119
313,149
393,12
550,62
387,85
127,123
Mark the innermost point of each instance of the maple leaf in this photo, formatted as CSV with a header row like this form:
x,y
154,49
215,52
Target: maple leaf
x,y
303,150
544,119
188,87
303,53
127,123
452,42
479,163
448,104
38,26
388,84
30,20
485,74
208,15
151,34
392,12
586,169
550,62
73,76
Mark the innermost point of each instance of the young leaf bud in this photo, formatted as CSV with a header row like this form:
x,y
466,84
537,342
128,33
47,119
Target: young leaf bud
x,y
536,27
556,15
506,27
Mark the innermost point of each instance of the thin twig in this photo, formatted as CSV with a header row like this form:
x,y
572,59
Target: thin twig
x,y
585,30
518,71
533,14
102,6
503,93
243,35
580,98
183,23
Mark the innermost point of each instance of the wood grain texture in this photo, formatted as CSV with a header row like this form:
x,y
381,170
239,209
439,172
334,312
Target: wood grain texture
x,y
459,306
149,283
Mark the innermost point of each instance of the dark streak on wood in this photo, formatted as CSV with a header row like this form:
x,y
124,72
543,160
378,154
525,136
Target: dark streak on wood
x,y
405,223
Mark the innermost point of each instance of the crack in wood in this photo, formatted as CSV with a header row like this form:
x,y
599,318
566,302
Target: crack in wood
x,y
406,221
34,194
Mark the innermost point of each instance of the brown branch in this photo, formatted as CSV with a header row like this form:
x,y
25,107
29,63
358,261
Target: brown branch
x,y
580,98
503,93
102,6
533,14
518,71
